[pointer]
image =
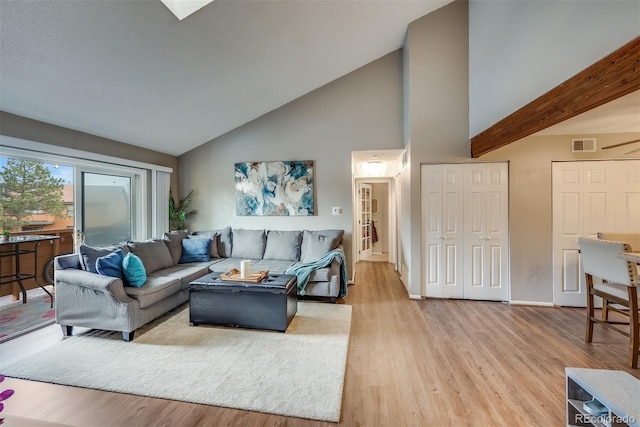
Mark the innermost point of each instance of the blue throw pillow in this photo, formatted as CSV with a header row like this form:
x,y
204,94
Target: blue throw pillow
x,y
111,264
134,270
195,250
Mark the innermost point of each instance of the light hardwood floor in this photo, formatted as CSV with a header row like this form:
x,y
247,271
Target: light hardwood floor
x,y
413,363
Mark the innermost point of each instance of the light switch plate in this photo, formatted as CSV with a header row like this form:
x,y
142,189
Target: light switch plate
x,y
336,211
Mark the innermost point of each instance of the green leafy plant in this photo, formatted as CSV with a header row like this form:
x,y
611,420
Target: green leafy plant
x,y
6,233
180,213
27,187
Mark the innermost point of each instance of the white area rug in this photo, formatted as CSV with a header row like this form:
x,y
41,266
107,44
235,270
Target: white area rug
x,y
299,373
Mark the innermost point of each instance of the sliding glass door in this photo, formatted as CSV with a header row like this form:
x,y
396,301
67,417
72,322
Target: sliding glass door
x,y
107,208
105,200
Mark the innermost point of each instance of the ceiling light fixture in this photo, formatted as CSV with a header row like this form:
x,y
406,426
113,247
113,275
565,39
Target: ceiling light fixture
x,y
374,168
184,8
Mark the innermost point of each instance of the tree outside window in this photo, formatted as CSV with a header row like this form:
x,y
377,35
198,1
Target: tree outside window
x,y
28,187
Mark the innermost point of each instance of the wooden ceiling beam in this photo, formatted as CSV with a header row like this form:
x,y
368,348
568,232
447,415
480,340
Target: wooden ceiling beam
x,y
615,75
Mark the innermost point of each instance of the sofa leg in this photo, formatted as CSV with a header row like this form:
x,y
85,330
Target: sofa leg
x,y
67,331
127,336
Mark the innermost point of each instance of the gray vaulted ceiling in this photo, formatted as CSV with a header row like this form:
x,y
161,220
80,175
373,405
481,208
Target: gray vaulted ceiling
x,y
129,70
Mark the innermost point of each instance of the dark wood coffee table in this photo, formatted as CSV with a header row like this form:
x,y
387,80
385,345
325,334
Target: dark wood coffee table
x,y
269,304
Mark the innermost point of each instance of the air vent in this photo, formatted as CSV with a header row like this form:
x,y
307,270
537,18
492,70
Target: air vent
x,y
405,157
583,145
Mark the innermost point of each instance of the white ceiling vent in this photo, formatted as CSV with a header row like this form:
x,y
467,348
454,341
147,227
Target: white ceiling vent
x,y
583,145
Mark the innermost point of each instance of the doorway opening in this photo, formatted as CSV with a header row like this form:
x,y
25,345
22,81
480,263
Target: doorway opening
x,y
379,223
375,202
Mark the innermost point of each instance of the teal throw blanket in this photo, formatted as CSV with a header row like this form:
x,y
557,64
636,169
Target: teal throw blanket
x,y
303,271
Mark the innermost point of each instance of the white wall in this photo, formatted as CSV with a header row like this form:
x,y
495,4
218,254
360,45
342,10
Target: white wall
x,y
530,208
361,111
366,110
520,49
436,57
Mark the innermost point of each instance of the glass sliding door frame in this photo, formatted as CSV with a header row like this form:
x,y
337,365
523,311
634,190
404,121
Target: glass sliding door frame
x,y
138,208
149,182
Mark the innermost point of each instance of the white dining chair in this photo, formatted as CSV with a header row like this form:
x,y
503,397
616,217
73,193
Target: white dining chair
x,y
632,239
615,280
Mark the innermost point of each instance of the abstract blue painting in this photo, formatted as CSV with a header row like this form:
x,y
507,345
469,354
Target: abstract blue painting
x,y
274,188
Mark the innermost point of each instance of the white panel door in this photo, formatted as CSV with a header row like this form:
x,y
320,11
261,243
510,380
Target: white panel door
x,y
442,224
589,197
628,216
486,248
568,204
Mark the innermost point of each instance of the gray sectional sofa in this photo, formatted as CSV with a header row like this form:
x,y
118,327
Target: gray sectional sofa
x,y
84,297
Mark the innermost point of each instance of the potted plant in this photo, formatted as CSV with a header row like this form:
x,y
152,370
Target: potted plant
x,y
180,212
5,235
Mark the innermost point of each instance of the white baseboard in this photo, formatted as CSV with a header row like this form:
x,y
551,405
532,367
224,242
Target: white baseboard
x,y
415,296
534,303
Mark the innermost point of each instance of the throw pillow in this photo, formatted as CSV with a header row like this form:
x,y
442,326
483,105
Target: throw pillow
x,y
223,248
214,237
195,250
134,271
173,240
335,235
111,264
283,245
89,255
248,244
154,254
317,246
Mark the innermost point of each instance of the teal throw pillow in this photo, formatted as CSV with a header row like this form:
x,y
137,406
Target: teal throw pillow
x,y
195,250
111,264
134,270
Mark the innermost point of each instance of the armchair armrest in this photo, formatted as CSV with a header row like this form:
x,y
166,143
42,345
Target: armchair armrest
x,y
96,282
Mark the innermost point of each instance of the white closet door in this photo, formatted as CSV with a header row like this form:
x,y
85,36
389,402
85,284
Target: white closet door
x,y
589,197
628,217
442,224
486,248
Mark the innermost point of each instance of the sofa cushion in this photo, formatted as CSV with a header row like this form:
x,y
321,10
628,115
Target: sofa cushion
x,y
90,254
274,266
248,244
187,273
63,262
224,240
226,264
195,250
111,264
213,247
154,254
173,240
156,289
335,235
283,245
133,270
316,246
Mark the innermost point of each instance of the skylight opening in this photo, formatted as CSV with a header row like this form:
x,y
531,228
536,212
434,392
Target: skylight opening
x,y
183,8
